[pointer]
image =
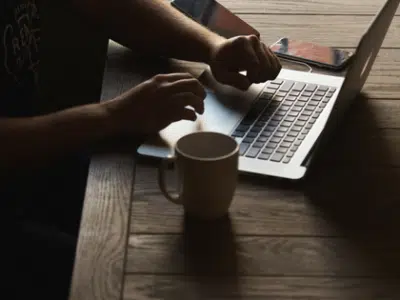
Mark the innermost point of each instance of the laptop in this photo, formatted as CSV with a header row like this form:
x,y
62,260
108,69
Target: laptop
x,y
279,124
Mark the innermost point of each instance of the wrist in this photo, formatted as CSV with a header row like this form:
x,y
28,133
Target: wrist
x,y
213,44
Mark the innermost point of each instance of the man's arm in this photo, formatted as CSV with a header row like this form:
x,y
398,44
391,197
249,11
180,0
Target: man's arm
x,y
30,142
153,27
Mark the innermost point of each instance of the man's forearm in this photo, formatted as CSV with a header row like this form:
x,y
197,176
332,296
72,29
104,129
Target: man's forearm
x,y
37,140
153,27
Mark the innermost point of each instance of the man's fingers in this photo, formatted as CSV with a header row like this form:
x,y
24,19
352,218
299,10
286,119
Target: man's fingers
x,y
190,85
275,62
266,62
234,79
251,60
179,101
183,114
171,77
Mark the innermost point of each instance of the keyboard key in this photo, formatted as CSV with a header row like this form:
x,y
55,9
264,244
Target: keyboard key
x,y
282,150
302,137
266,134
307,94
262,139
264,156
313,103
297,128
299,86
272,145
293,133
286,160
310,107
253,152
273,124
283,129
322,105
286,124
297,108
290,119
280,113
291,153
248,140
289,139
285,145
293,113
282,94
243,148
303,118
300,104
279,134
268,151
300,123
256,129
238,134
276,140
316,98
277,81
306,113
318,110
252,134
277,157
311,87
303,99
294,93
323,88
267,96
286,86
288,102
297,143
258,145
332,90
278,98
319,93
326,100
308,126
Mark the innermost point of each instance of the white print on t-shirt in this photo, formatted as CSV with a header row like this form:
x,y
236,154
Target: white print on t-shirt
x,y
21,41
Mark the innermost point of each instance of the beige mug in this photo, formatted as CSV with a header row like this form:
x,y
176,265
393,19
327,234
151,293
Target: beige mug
x,y
207,169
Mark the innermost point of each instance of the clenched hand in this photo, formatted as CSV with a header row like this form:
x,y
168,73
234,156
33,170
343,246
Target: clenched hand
x,y
243,53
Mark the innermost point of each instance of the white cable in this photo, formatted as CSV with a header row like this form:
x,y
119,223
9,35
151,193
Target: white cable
x,y
310,69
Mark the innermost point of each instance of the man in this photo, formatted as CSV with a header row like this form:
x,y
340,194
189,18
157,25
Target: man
x,y
33,145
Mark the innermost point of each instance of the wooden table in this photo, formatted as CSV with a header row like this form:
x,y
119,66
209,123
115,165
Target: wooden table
x,y
332,236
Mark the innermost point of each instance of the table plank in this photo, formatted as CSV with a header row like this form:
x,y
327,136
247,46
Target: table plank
x,y
103,233
338,31
264,207
216,251
323,7
159,287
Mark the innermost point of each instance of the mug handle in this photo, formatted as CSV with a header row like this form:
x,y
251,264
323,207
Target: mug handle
x,y
176,197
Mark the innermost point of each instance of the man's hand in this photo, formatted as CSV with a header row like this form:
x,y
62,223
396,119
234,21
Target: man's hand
x,y
156,103
243,53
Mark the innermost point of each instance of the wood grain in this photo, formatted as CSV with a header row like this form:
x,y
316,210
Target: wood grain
x,y
263,206
338,31
159,287
216,251
320,7
103,234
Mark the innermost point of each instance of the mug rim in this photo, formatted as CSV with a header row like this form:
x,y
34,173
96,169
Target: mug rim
x,y
221,157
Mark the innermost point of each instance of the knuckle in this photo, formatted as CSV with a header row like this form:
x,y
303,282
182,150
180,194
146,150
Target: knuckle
x,y
159,78
253,38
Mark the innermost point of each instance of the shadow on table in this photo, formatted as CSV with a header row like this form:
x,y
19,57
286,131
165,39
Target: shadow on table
x,y
355,184
210,252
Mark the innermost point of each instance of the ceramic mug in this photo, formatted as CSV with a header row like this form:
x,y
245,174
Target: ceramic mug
x,y
207,169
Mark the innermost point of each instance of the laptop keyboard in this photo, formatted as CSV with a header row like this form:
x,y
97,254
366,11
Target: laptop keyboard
x,y
280,119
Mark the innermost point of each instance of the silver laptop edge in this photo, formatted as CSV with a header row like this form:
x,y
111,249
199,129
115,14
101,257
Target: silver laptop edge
x,y
225,107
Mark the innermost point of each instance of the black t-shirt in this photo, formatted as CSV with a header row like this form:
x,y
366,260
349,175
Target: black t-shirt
x,y
19,56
